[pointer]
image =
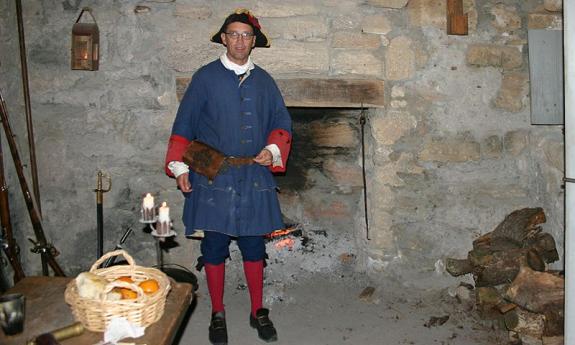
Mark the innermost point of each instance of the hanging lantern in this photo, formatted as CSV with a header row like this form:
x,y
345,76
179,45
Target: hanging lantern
x,y
85,44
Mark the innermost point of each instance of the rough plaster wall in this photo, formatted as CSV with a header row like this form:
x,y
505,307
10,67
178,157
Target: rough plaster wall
x,y
452,152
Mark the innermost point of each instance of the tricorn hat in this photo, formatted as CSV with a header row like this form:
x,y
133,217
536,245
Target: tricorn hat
x,y
243,15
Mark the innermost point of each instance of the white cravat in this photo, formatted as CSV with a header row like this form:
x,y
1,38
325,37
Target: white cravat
x,y
238,69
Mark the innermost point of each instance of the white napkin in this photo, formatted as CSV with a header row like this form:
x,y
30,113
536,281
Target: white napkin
x,y
120,328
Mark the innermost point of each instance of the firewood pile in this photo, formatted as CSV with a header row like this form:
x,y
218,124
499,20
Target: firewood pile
x,y
512,282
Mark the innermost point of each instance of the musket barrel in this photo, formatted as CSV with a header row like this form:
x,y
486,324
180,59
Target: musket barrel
x,y
45,249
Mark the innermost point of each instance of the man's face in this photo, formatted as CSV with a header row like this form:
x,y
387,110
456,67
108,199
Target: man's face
x,y
238,46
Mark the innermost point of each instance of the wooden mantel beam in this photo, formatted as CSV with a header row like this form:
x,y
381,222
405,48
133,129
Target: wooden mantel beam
x,y
328,93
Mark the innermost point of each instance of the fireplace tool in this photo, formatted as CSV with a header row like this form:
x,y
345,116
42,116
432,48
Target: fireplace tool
x,y
362,120
99,210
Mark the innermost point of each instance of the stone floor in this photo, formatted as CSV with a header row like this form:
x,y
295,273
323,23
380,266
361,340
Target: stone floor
x,y
329,308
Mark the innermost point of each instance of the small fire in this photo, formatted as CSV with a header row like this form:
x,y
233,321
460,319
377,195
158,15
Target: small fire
x,y
278,233
294,230
285,243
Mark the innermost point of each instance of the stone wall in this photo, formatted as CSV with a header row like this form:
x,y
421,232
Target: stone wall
x,y
451,154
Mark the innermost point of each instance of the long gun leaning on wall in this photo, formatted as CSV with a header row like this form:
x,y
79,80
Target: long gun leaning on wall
x,y
7,240
46,250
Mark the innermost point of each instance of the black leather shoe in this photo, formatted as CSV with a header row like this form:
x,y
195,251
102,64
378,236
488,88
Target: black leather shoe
x,y
265,327
218,329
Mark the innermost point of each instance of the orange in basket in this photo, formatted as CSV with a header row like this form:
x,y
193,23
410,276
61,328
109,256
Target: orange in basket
x,y
149,286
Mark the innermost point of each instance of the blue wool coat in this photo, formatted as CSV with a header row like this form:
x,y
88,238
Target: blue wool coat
x,y
235,118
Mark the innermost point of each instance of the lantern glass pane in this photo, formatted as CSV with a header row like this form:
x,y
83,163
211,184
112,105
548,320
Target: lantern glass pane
x,y
82,50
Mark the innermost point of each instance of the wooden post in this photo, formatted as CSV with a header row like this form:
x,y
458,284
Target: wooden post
x,y
456,20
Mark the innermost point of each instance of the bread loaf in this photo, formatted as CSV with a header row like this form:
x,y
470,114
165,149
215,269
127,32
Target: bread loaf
x,y
93,286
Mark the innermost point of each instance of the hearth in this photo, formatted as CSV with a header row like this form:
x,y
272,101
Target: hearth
x,y
322,187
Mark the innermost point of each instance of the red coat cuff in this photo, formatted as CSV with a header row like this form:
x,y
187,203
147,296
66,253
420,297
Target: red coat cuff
x,y
176,148
282,139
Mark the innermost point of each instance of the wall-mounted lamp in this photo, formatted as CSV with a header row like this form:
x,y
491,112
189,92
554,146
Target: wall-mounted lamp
x,y
85,44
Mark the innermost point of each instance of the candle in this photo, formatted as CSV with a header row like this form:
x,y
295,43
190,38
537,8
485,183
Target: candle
x,y
164,214
148,202
148,210
163,224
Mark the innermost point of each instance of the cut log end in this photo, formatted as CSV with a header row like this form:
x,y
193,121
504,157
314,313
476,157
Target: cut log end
x,y
458,267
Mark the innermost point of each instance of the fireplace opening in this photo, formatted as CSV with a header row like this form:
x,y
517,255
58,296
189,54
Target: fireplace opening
x,y
322,188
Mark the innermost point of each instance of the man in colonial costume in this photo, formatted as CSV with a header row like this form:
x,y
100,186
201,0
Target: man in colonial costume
x,y
235,107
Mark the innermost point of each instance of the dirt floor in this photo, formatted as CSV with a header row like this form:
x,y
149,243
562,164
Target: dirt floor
x,y
329,308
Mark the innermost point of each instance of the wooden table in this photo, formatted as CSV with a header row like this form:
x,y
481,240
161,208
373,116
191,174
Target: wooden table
x,y
46,310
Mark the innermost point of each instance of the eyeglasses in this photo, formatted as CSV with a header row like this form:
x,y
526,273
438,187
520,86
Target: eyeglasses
x,y
236,35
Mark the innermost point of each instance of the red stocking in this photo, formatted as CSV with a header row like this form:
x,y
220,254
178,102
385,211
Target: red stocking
x,y
215,275
254,271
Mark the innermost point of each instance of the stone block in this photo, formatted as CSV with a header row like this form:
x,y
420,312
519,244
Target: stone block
x,y
388,3
377,24
506,18
356,62
513,92
397,91
398,104
554,153
343,174
289,56
381,233
545,20
390,128
339,134
310,28
346,21
350,39
427,13
553,5
384,197
388,173
514,142
492,147
482,54
192,11
284,9
400,59
450,150
327,210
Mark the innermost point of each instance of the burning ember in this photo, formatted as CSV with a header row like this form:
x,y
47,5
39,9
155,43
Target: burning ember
x,y
285,243
294,229
283,238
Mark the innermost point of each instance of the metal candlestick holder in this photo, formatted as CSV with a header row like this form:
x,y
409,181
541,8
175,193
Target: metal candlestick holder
x,y
160,237
178,274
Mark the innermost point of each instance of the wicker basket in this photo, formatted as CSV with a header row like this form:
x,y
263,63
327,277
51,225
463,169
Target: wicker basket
x,y
144,310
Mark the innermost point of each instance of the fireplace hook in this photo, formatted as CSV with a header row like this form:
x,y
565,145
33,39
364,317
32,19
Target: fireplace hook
x,y
362,120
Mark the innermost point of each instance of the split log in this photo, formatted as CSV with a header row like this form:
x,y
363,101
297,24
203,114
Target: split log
x,y
553,340
506,307
543,293
519,226
497,256
524,322
494,266
527,339
502,267
488,300
544,245
458,267
554,322
536,291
